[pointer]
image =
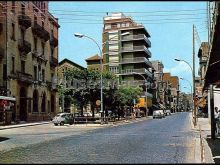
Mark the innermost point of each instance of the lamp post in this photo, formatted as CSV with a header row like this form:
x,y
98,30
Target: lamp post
x,y
145,91
193,94
100,51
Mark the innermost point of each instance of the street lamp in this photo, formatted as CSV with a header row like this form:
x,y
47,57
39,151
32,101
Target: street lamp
x,y
193,80
79,35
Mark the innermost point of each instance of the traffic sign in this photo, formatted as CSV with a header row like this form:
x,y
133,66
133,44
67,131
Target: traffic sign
x,y
98,102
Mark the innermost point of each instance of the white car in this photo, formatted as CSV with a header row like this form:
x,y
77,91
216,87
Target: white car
x,y
158,114
63,118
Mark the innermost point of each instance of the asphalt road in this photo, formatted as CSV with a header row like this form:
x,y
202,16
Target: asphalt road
x,y
167,140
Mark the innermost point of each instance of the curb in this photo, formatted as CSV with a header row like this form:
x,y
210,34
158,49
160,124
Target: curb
x,y
22,125
97,125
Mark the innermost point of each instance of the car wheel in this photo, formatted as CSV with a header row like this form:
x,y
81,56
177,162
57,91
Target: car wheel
x,y
61,123
153,117
55,124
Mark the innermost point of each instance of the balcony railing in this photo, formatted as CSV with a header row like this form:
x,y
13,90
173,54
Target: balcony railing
x,y
53,61
39,56
25,77
136,37
140,71
24,46
1,52
136,48
136,60
40,31
24,20
53,41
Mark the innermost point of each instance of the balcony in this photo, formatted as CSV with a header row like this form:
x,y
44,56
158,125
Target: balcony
x,y
24,46
1,53
136,60
24,77
137,37
24,20
37,29
53,41
40,31
136,49
39,56
53,61
139,71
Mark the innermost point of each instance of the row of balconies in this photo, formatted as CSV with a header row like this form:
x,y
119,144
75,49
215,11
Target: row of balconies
x,y
139,71
136,60
25,47
136,37
135,49
28,78
37,29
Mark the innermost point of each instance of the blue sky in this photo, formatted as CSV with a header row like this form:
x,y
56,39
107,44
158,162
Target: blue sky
x,y
170,25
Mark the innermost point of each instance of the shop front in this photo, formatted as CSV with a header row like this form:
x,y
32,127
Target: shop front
x,y
7,110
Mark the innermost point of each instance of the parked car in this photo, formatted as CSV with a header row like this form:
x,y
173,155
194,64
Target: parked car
x,y
63,118
158,114
167,112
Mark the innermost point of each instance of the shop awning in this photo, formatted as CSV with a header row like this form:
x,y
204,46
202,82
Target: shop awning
x,y
7,98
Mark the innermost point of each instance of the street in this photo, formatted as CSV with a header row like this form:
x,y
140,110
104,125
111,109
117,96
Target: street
x,y
167,140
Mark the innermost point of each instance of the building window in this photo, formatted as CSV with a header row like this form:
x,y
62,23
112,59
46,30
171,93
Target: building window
x,y
43,75
52,50
114,25
35,19
43,45
22,34
13,31
22,66
13,65
13,7
35,73
35,43
39,73
22,9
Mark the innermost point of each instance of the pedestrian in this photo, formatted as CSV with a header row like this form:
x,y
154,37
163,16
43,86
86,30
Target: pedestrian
x,y
216,113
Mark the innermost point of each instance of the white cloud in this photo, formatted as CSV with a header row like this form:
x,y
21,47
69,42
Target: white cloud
x,y
180,68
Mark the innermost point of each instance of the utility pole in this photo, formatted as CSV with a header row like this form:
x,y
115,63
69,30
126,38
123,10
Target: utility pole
x,y
212,112
193,78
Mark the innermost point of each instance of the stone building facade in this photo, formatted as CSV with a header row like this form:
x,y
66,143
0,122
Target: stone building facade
x,y
29,58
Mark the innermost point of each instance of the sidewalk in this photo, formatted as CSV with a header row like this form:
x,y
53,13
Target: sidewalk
x,y
117,122
203,153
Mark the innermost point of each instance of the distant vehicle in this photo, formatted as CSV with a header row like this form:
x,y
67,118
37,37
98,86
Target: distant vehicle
x,y
158,114
63,118
167,112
